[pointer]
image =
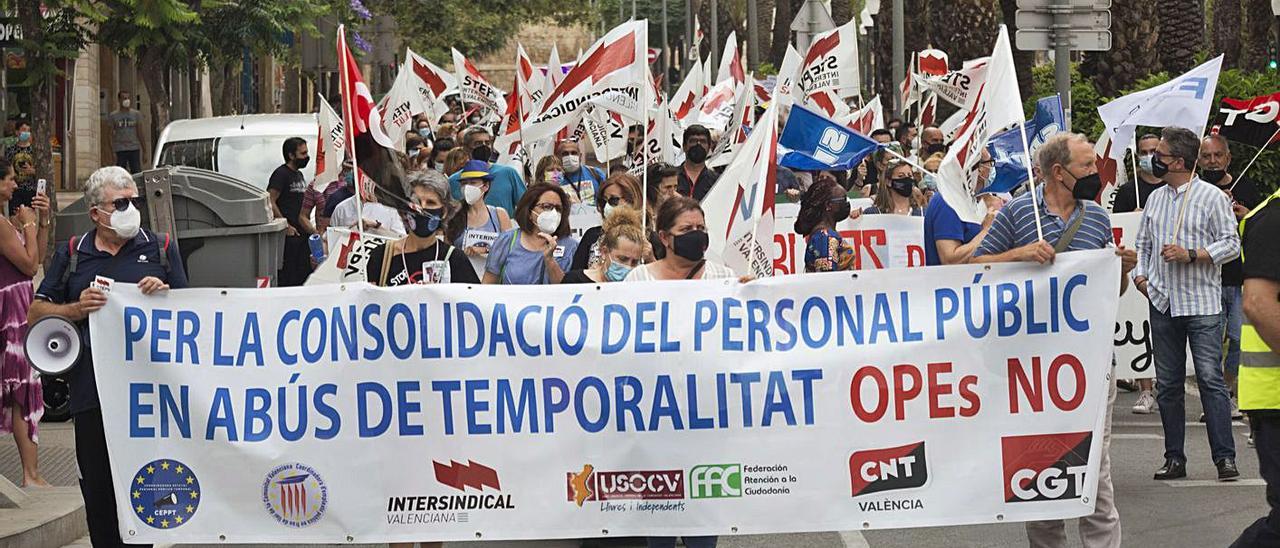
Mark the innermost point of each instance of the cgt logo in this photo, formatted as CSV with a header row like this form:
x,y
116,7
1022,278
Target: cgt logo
x,y
593,485
889,469
715,481
1045,466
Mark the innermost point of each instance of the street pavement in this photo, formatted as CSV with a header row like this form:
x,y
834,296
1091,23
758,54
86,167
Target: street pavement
x,y
1196,512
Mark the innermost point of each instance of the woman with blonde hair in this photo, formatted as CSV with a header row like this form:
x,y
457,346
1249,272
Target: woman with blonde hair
x,y
621,247
457,158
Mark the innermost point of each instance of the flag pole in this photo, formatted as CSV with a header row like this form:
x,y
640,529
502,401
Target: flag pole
x,y
1137,196
1236,181
348,119
644,156
1031,179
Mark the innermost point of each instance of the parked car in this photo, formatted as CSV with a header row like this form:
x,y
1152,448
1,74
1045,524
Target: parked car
x,y
245,147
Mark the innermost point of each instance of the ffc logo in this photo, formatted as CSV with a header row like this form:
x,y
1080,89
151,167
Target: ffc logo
x,y
1046,466
889,469
830,144
714,481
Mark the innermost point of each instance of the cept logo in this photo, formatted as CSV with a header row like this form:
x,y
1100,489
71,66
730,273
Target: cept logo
x,y
888,469
295,495
594,485
1045,466
715,481
164,494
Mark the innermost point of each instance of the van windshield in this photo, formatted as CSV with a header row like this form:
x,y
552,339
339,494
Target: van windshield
x,y
250,158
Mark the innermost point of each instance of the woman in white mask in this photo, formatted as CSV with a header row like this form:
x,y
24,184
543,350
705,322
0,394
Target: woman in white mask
x,y
475,228
540,250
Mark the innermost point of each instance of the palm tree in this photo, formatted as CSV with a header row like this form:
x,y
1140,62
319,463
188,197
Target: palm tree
x,y
1181,33
781,35
1257,34
1133,52
1226,31
965,29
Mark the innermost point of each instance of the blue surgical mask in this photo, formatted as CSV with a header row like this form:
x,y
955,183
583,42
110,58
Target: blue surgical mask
x,y
424,132
413,153
930,181
24,135
1144,162
617,272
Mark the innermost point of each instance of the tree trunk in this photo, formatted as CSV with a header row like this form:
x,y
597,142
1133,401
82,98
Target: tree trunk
x,y
1226,31
764,27
193,84
965,29
841,11
1133,54
1257,24
781,35
152,70
32,23
1181,34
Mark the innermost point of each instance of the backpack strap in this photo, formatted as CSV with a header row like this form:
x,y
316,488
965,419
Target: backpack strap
x,y
72,261
164,252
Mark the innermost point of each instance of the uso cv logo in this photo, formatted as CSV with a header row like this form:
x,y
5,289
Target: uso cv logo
x,y
889,469
1045,466
295,495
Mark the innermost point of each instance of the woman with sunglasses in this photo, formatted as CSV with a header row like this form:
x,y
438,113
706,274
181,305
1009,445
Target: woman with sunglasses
x,y
22,241
621,190
423,256
824,206
540,250
898,194
475,228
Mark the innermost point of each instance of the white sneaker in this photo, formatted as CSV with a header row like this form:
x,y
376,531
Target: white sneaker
x,y
1146,403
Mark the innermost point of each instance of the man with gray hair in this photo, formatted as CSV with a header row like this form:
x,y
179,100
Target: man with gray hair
x,y
1071,220
507,186
1186,234
116,248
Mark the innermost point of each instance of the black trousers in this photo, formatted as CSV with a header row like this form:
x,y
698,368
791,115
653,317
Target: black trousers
x,y
95,480
295,267
1266,439
130,160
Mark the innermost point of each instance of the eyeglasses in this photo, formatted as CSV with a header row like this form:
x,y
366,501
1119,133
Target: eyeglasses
x,y
989,161
121,204
547,207
613,200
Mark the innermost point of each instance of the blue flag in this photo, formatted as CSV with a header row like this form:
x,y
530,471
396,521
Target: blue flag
x,y
812,142
1006,147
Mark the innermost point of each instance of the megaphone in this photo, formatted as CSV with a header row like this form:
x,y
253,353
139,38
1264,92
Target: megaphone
x,y
53,345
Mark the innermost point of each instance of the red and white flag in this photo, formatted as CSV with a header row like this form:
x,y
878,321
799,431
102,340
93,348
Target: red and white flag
x,y
607,132
740,209
909,89
716,110
433,83
613,69
868,118
330,146
553,73
788,75
398,107
957,86
695,48
831,64
932,62
731,63
762,92
476,89
735,132
530,84
686,99
996,104
662,145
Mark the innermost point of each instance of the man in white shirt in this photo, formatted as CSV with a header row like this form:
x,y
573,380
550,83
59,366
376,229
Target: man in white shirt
x,y
378,218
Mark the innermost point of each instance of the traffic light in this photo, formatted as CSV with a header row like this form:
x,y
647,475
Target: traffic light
x,y
1273,56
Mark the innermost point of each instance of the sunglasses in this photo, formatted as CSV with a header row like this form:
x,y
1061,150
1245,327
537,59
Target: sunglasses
x,y
613,200
121,204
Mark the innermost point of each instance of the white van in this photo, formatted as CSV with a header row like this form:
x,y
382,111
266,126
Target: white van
x,y
246,147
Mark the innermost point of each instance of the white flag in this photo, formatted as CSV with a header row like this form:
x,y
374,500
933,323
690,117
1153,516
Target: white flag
x,y
731,62
530,83
433,83
868,118
476,90
686,99
717,106
739,209
398,107
613,70
735,131
329,146
607,132
788,75
996,105
831,64
1184,101
554,74
956,86
662,145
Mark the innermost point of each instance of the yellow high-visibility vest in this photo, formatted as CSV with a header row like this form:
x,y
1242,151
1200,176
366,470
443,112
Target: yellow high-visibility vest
x,y
1259,380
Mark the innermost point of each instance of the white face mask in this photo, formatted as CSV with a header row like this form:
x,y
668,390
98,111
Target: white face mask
x,y
125,103
608,210
126,223
549,221
571,163
472,194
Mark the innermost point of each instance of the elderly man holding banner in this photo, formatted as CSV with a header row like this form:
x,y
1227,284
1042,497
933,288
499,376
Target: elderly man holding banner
x,y
1071,221
1187,233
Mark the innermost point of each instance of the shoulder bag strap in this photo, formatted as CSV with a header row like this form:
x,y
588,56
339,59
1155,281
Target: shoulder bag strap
x,y
1069,234
388,251
694,271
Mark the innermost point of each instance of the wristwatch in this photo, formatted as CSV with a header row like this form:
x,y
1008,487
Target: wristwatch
x,y
1192,254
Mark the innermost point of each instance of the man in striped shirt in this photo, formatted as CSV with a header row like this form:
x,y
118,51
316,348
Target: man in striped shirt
x,y
1071,221
1187,233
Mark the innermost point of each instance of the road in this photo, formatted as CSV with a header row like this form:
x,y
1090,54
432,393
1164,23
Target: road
x,y
1195,512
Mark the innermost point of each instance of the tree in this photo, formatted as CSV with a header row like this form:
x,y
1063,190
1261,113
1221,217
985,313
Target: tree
x,y
1226,31
1022,60
785,12
965,29
1257,25
476,27
1133,53
1181,34
159,35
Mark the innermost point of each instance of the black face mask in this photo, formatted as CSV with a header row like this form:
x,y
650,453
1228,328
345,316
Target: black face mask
x,y
1158,167
1087,187
691,245
842,211
483,153
301,163
934,148
697,154
903,186
1213,176
427,222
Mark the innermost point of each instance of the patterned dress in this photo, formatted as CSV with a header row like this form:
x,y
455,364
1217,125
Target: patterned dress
x,y
19,383
827,252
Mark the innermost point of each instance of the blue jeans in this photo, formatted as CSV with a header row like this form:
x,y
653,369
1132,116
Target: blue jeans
x,y
1204,334
1233,314
689,542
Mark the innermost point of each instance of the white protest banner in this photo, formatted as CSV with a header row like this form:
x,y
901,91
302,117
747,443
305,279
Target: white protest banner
x,y
433,84
348,257
831,63
475,89
346,413
878,242
401,103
